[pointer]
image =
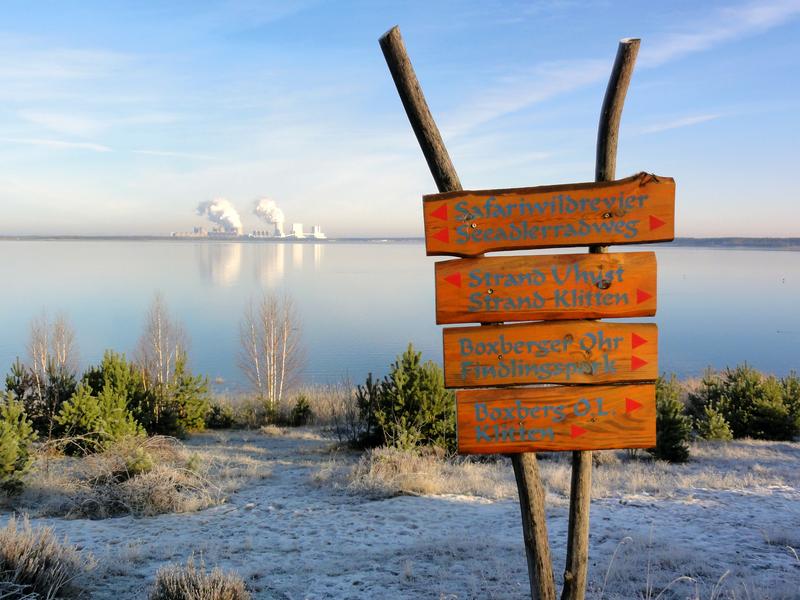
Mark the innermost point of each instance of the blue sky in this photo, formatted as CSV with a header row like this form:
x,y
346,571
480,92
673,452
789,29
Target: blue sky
x,y
120,117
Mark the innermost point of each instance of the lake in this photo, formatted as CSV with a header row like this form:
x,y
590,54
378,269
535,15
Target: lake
x,y
362,302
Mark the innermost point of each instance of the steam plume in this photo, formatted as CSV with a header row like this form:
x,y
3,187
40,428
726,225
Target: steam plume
x,y
223,213
268,210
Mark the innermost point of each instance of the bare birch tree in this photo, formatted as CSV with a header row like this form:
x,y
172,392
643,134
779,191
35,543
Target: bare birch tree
x,y
271,354
53,363
161,344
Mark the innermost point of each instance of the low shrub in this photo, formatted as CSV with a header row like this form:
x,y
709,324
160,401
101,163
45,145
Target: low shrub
x,y
220,415
673,426
35,565
301,412
752,404
191,582
410,407
42,394
92,422
16,437
133,476
713,426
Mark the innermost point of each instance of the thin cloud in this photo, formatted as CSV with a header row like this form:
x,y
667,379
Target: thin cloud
x,y
60,144
541,83
678,123
169,154
64,123
521,90
726,25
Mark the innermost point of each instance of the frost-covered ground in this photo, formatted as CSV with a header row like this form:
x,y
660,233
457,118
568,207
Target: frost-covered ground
x,y
291,536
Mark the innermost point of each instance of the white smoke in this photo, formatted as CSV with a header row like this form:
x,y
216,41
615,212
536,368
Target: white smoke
x,y
268,210
223,213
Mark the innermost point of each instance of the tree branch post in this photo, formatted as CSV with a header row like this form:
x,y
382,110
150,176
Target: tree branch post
x,y
526,468
575,573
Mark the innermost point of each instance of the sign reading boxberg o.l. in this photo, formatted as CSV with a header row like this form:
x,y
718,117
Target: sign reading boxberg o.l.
x,y
570,352
563,286
556,418
628,211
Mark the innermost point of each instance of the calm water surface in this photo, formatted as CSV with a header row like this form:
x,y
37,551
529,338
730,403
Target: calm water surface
x,y
361,303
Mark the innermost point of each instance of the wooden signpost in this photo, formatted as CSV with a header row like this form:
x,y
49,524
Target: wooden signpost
x,y
581,415
629,211
562,286
569,352
508,420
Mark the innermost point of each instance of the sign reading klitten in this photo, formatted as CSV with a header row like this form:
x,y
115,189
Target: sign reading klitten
x,y
605,397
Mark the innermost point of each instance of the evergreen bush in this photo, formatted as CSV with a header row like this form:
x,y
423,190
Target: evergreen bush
x,y
41,396
92,422
411,406
301,412
673,426
713,426
753,404
16,437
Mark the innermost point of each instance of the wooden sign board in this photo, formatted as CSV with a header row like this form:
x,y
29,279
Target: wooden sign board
x,y
556,418
572,352
530,288
628,211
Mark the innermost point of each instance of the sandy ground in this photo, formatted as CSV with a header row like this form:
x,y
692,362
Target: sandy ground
x,y
292,538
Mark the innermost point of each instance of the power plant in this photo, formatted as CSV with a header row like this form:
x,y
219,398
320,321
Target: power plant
x,y
228,223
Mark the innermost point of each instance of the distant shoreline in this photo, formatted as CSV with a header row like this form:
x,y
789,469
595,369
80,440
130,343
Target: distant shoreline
x,y
762,243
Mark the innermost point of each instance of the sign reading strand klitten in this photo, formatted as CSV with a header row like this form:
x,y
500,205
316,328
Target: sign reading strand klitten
x,y
571,352
556,418
527,288
629,211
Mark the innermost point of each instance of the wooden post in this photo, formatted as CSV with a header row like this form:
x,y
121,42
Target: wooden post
x,y
526,468
428,136
575,573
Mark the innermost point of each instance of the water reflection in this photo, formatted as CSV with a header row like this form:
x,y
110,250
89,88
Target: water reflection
x,y
219,263
319,250
297,256
269,263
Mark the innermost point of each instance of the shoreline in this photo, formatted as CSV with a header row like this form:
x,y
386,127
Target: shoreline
x,y
754,243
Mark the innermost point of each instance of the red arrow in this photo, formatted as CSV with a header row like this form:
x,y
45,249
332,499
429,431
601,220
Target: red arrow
x,y
637,362
655,222
631,405
455,279
637,340
441,213
642,296
576,431
442,236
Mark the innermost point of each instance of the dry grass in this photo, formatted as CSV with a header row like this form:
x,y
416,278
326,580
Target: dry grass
x,y
35,565
138,476
734,465
190,582
388,472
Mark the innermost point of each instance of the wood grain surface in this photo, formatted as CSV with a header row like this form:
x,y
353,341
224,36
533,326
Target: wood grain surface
x,y
532,288
634,210
538,419
571,352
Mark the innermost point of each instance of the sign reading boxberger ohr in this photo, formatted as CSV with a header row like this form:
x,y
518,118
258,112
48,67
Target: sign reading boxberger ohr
x,y
562,286
568,352
556,418
637,209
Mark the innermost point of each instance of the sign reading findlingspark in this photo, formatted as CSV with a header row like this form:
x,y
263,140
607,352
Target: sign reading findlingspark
x,y
634,210
570,352
562,286
556,418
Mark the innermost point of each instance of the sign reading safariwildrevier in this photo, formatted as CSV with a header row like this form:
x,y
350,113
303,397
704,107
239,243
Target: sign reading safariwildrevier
x,y
628,211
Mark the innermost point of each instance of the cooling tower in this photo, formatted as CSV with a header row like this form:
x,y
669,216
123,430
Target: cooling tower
x,y
297,231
